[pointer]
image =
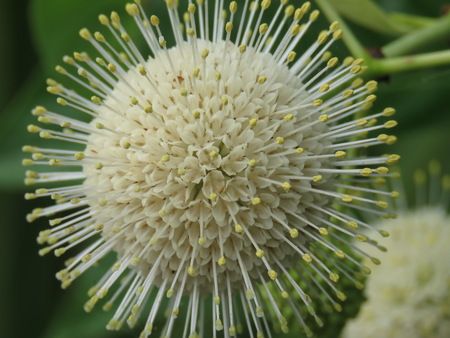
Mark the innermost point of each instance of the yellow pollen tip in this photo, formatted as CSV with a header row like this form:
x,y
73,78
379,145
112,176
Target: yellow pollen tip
x,y
332,62
256,201
165,158
362,122
383,204
366,172
299,151
286,186
340,254
238,228
384,233
353,225
307,258
154,20
391,140
260,253
279,140
291,56
334,277
201,241
79,156
293,233
346,198
252,122
382,170
317,103
314,15
361,238
233,7
288,117
317,178
322,38
341,296
323,231
325,87
191,271
366,270
272,274
390,124
222,261
392,159
340,154
389,111
85,34
191,8
338,34
263,29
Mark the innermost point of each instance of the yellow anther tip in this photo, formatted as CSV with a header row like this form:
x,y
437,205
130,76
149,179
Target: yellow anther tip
x,y
323,231
346,198
340,254
293,233
340,154
366,172
334,277
286,186
272,274
238,228
307,258
390,124
85,34
256,201
260,253
317,178
361,238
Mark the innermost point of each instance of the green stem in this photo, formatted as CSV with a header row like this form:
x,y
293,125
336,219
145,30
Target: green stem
x,y
404,63
352,43
419,38
412,21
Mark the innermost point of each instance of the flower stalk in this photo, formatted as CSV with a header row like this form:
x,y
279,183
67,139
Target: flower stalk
x,y
396,54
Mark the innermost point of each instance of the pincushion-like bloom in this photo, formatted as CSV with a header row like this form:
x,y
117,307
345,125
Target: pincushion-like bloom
x,y
213,167
408,295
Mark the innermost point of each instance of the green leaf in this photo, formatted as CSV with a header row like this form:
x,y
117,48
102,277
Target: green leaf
x,y
13,132
369,15
56,25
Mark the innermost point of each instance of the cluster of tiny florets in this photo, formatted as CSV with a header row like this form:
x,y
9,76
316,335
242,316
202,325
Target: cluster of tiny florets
x,y
215,167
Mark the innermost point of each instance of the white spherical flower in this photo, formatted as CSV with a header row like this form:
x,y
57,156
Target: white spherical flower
x,y
408,295
214,167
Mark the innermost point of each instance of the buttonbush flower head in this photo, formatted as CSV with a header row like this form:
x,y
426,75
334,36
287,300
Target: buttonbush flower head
x,y
409,294
214,168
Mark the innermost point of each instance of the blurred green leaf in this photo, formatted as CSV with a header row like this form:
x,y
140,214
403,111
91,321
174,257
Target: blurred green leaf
x,y
368,14
13,132
71,320
5,58
56,24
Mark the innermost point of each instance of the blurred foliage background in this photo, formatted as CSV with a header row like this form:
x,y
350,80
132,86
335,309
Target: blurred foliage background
x,y
35,34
